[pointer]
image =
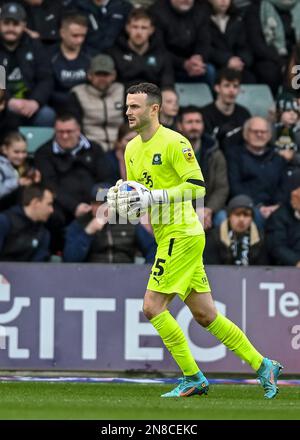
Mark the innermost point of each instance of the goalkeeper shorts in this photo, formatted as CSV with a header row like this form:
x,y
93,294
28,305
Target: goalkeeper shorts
x,y
178,267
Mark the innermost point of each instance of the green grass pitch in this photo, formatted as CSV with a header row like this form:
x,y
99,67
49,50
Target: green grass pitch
x,y
142,401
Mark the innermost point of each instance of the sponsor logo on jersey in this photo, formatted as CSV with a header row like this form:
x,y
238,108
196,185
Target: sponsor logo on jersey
x,y
156,159
188,154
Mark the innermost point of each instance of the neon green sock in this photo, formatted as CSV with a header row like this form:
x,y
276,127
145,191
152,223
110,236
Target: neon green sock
x,y
234,339
174,339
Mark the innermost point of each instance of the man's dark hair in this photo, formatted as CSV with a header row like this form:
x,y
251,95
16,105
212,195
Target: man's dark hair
x,y
187,110
34,191
74,18
139,14
64,117
229,75
151,90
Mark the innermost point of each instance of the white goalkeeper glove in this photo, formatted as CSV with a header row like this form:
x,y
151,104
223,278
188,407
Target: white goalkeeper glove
x,y
112,196
139,200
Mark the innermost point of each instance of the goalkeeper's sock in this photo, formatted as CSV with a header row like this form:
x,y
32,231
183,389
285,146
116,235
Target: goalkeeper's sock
x,y
234,339
175,341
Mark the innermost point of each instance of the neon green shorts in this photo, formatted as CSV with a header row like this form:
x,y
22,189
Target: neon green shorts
x,y
178,267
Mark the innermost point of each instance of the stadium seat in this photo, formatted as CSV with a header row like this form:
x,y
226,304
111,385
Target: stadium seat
x,y
257,98
36,136
198,94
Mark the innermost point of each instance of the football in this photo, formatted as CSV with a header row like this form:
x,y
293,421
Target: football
x,y
127,211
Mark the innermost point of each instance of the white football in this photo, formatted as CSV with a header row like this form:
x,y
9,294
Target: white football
x,y
125,210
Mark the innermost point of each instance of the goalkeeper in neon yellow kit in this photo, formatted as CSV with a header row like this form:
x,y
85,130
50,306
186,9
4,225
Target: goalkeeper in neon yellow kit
x,y
163,161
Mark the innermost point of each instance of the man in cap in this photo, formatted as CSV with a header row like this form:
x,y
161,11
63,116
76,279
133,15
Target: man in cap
x,y
237,241
28,73
93,237
99,102
283,228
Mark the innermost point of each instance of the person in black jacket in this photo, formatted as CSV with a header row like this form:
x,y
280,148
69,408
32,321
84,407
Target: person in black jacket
x,y
69,61
106,21
185,30
43,19
23,236
255,169
139,55
283,228
224,118
28,73
70,165
229,46
95,237
237,241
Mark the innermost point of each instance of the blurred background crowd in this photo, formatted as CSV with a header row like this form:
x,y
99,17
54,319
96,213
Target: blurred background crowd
x,y
230,78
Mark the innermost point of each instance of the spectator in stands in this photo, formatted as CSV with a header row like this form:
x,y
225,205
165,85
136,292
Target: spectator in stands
x,y
23,236
286,131
291,84
255,169
99,103
283,229
228,39
211,161
106,21
272,29
184,26
69,62
224,118
70,165
16,169
237,241
43,19
139,55
125,134
28,73
8,120
93,238
169,108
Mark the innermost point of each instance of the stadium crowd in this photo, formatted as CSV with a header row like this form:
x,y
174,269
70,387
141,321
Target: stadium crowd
x,y
68,64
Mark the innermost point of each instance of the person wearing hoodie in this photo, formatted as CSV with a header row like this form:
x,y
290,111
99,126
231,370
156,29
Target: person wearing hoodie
x,y
211,160
139,55
283,228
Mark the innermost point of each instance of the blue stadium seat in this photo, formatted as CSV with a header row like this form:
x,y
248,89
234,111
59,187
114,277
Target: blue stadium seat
x,y
198,94
257,98
36,136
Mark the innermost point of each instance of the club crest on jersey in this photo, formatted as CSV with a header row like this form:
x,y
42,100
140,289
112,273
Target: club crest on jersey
x,y
188,154
156,159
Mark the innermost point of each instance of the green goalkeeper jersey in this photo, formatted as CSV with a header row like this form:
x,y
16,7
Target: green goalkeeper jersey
x,y
166,161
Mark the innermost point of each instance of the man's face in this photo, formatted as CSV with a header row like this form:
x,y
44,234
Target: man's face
x,y
139,31
11,31
73,35
192,126
220,6
295,199
228,90
170,104
67,134
138,111
240,220
289,117
101,80
258,134
16,152
182,5
43,208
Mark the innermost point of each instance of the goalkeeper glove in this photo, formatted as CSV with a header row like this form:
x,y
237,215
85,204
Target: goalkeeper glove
x,y
112,196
